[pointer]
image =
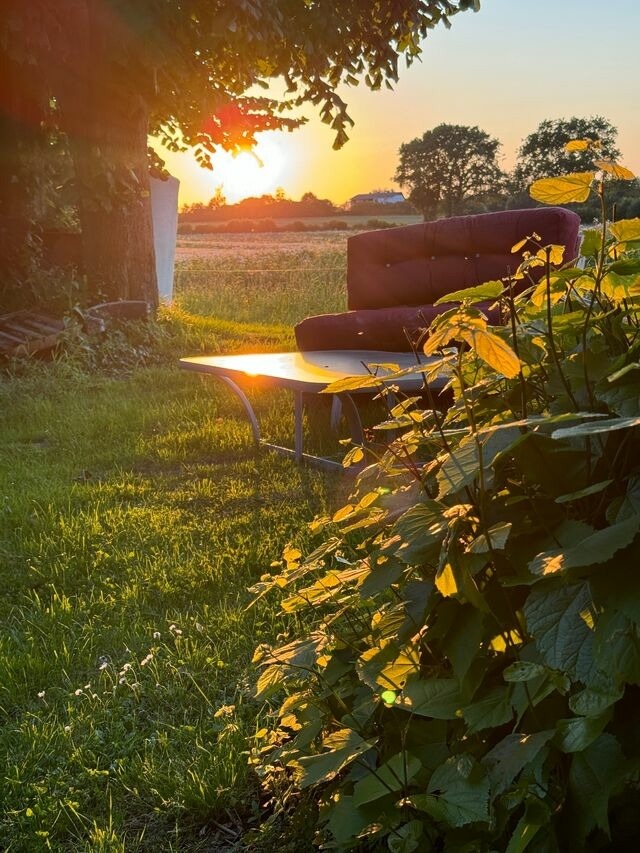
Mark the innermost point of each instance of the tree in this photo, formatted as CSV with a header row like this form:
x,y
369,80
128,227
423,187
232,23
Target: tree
x,y
542,154
114,71
447,166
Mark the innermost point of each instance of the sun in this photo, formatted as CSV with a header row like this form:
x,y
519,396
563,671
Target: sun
x,y
253,173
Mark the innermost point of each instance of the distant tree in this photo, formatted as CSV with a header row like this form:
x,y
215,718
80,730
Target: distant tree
x,y
542,153
217,200
107,73
447,167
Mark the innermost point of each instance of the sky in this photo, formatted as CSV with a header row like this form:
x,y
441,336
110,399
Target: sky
x,y
504,69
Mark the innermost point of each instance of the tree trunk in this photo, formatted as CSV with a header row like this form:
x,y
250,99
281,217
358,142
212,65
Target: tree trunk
x,y
105,117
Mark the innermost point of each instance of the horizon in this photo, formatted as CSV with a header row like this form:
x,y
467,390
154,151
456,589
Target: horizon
x,y
494,51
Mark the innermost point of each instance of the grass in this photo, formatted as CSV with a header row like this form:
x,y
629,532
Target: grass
x,y
134,514
284,286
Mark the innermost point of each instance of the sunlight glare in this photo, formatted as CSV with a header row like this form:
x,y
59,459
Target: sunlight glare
x,y
249,173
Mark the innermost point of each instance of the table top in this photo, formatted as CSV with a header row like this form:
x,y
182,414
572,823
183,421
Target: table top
x,y
313,371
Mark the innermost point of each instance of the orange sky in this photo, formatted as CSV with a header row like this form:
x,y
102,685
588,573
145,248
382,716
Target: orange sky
x,y
504,69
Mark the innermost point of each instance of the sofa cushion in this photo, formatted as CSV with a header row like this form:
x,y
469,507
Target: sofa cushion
x,y
418,264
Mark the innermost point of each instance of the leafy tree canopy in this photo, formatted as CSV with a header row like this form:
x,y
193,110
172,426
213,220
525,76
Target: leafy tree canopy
x,y
543,152
448,165
115,71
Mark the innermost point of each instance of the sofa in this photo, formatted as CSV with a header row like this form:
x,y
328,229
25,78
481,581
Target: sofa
x,y
395,275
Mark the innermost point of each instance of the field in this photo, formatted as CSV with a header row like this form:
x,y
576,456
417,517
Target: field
x,y
134,514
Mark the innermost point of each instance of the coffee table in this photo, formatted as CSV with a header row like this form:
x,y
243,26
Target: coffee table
x,y
311,373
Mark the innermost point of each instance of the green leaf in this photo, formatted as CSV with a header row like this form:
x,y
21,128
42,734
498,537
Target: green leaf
x,y
595,699
609,425
511,755
591,243
563,190
594,775
599,547
536,815
344,746
495,539
421,529
269,681
491,711
455,798
460,467
576,734
439,698
391,777
462,640
563,637
481,293
406,838
583,493
523,670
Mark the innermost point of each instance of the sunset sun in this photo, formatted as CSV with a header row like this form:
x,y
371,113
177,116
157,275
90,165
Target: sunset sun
x,y
249,173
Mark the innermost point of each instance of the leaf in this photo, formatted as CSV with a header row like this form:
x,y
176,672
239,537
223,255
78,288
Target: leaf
x,y
480,293
599,547
421,529
460,467
563,639
576,145
626,230
345,745
594,775
396,673
563,190
608,425
523,670
618,172
446,581
511,755
591,243
270,680
454,798
495,539
595,699
391,777
494,351
432,697
576,734
594,489
491,711
407,838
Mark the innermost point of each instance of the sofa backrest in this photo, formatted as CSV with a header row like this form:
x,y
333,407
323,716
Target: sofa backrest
x,y
417,264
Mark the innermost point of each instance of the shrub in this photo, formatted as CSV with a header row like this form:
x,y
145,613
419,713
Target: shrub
x,y
469,672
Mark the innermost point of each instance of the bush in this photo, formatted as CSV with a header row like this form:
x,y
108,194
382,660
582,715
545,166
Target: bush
x,y
469,671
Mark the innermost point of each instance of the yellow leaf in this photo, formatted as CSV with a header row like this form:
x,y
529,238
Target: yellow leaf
x,y
563,190
520,244
626,230
576,145
395,674
343,512
446,582
499,644
494,351
556,254
614,169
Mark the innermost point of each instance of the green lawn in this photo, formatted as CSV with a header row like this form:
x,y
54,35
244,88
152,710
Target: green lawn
x,y
134,514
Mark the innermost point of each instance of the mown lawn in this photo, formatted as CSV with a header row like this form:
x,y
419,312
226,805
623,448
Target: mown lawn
x,y
134,514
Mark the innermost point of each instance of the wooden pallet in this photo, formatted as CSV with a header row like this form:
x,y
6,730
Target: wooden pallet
x,y
27,332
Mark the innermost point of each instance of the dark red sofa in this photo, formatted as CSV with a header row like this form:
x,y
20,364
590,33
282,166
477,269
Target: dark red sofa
x,y
394,276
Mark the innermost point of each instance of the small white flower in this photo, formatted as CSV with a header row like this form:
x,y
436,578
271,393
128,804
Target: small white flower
x,y
156,635
146,660
67,728
78,692
41,694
